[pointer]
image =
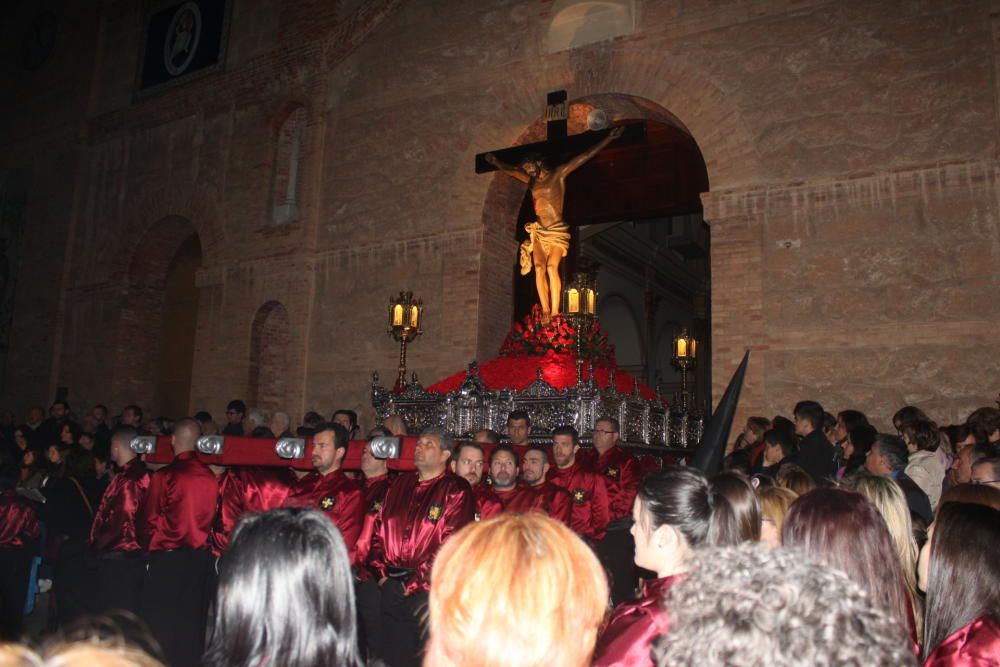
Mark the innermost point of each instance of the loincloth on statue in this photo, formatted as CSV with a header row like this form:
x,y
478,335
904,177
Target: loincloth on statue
x,y
554,236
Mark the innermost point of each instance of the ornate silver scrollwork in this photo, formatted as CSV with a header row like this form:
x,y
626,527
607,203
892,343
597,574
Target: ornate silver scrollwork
x,y
647,424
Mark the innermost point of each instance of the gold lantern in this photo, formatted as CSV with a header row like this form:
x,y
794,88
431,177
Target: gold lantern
x,y
579,307
405,319
685,356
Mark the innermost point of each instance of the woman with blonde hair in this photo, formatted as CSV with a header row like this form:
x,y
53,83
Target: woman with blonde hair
x,y
774,504
890,500
794,477
519,590
81,652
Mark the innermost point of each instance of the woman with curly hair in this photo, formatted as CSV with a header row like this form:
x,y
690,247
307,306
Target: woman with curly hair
x,y
757,607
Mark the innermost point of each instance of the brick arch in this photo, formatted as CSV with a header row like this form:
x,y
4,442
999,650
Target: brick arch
x,y
285,109
199,206
663,89
289,139
270,336
140,325
670,86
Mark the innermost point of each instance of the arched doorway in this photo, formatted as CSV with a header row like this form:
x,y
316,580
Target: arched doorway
x,y
159,319
180,317
636,213
269,338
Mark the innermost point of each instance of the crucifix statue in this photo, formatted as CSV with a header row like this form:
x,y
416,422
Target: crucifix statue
x,y
548,236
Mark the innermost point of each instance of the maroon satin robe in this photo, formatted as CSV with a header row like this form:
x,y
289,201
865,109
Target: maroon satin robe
x,y
591,510
975,645
114,527
545,497
627,639
180,506
621,476
416,519
18,521
488,503
245,489
375,489
337,496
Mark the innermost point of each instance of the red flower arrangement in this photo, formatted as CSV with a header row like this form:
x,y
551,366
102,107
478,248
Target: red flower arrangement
x,y
531,337
531,346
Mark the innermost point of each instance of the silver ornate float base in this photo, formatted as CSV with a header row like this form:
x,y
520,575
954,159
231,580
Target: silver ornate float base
x,y
646,424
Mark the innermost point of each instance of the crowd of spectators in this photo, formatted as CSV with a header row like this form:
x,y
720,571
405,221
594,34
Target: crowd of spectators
x,y
822,541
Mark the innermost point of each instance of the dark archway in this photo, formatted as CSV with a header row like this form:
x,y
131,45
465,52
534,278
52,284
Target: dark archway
x,y
180,318
636,213
158,320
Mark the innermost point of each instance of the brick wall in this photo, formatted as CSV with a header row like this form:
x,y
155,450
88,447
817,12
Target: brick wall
x,y
866,132
269,338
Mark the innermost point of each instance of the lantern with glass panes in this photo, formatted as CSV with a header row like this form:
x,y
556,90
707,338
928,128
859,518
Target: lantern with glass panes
x,y
405,320
685,355
579,308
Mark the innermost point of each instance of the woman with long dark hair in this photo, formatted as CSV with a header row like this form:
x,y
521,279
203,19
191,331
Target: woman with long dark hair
x,y
12,448
960,571
845,530
286,594
859,442
676,511
34,468
69,434
68,513
736,510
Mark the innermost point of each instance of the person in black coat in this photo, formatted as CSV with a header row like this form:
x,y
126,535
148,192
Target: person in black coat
x,y
70,503
816,454
779,449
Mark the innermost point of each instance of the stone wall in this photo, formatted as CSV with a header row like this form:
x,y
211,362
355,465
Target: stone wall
x,y
864,134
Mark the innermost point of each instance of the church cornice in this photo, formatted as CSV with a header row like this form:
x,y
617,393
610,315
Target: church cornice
x,y
865,190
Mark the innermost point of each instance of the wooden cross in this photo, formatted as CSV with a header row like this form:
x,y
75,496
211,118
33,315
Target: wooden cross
x,y
558,147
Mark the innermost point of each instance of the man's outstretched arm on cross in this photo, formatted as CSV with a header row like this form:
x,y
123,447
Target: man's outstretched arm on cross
x,y
582,158
507,169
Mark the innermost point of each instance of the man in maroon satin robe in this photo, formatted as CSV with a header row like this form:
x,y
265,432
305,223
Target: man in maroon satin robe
x,y
245,489
367,595
175,525
621,477
376,485
329,489
504,471
422,509
518,430
591,511
121,561
468,464
19,533
538,494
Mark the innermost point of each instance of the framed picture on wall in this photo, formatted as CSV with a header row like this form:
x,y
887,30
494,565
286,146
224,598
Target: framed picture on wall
x,y
181,40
